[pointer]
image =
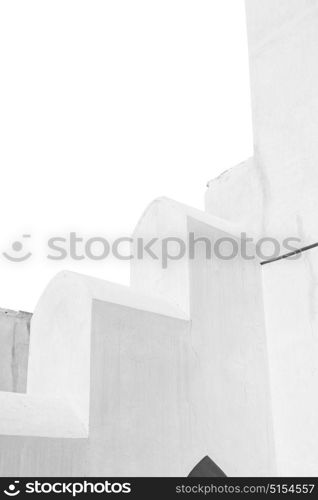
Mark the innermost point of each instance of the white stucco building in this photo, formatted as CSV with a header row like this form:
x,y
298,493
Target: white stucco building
x,y
207,356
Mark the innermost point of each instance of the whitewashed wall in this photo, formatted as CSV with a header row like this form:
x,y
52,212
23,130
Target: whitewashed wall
x,y
276,194
292,336
277,191
225,305
185,363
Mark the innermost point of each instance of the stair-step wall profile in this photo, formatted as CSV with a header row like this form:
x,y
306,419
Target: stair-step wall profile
x,y
133,381
14,349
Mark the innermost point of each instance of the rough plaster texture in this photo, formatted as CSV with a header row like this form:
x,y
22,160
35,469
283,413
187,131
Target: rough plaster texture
x,y
165,218
225,304
276,194
123,382
148,380
14,350
228,336
292,338
140,417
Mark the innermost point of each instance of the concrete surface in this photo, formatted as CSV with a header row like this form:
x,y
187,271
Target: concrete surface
x,y
291,327
276,194
224,301
140,385
14,350
204,357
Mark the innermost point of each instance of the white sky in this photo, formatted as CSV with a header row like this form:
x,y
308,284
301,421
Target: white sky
x,y
104,106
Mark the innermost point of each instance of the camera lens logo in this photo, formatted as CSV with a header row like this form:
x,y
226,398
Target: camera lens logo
x,y
13,491
18,248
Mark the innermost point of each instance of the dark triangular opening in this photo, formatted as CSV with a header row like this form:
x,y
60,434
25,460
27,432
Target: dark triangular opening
x,y
206,468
